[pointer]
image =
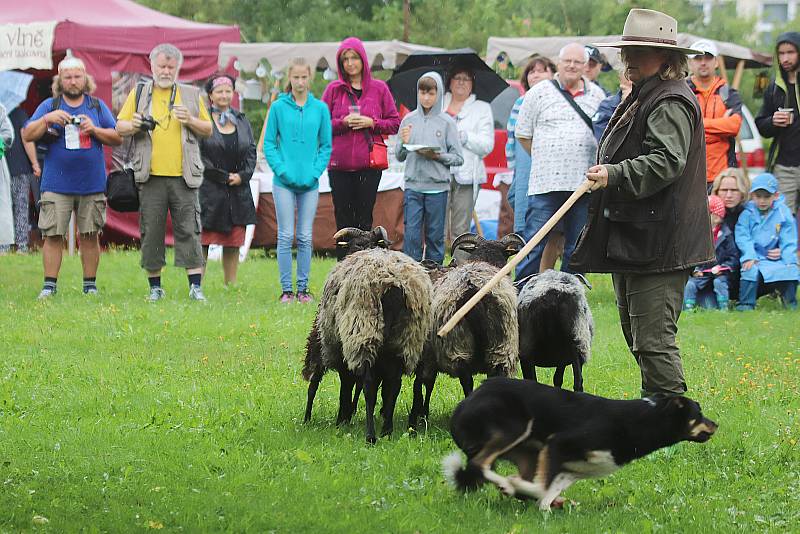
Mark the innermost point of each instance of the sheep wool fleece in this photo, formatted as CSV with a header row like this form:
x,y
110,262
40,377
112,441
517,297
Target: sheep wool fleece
x,y
501,327
351,318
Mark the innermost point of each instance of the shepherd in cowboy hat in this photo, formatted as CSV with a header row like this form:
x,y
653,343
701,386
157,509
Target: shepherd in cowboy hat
x,y
648,223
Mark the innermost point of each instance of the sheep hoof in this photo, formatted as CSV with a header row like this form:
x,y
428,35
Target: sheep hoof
x,y
371,440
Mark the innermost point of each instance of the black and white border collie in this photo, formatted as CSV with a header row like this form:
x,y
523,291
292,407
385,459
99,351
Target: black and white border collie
x,y
556,437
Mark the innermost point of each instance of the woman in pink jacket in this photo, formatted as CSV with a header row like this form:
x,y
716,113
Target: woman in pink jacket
x,y
358,104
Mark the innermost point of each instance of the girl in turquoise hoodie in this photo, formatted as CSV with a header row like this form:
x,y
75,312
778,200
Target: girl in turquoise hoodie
x,y
297,145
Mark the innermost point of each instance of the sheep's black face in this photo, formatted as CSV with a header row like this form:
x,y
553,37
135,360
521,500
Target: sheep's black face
x,y
492,252
495,253
353,240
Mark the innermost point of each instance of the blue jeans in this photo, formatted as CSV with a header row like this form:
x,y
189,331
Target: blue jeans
x,y
748,291
540,209
518,192
424,212
306,205
697,289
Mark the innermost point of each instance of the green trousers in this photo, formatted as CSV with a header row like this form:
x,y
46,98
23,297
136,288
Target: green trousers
x,y
649,306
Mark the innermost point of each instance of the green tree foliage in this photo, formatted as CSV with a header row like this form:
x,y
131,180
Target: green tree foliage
x,y
456,23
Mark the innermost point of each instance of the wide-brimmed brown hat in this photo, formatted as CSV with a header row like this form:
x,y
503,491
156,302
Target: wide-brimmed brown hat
x,y
645,27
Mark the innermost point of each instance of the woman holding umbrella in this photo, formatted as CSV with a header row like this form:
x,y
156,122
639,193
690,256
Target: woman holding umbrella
x,y
362,110
476,132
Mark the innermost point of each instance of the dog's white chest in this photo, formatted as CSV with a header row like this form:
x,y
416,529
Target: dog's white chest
x,y
597,464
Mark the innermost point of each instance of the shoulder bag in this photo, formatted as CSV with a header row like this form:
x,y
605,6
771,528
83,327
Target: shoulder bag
x,y
378,155
571,101
121,191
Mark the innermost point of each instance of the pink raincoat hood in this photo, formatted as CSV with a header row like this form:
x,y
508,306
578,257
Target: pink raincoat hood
x,y
353,43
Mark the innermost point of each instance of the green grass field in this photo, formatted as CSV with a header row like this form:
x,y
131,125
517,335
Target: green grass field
x,y
117,415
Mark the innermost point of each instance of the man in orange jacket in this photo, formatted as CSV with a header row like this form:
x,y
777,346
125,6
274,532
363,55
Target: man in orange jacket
x,y
721,107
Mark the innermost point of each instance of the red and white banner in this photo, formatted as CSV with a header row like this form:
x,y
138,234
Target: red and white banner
x,y
27,46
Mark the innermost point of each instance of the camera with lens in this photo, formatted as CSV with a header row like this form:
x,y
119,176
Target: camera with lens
x,y
74,120
148,123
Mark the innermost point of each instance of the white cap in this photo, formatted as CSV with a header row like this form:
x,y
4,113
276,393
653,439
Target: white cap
x,y
71,62
708,47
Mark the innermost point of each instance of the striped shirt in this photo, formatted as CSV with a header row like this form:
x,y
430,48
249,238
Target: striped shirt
x,y
510,127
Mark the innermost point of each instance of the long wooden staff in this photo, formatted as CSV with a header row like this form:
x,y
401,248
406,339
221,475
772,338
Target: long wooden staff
x,y
464,310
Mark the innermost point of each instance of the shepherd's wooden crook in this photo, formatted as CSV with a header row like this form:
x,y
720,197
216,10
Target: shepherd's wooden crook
x,y
464,310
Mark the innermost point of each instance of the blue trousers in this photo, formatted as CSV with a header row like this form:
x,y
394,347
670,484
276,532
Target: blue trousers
x,y
518,192
424,215
698,287
304,205
748,291
540,209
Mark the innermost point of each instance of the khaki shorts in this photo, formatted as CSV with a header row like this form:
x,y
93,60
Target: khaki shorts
x,y
55,210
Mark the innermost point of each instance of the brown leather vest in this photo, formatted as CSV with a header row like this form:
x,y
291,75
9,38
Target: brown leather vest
x,y
666,231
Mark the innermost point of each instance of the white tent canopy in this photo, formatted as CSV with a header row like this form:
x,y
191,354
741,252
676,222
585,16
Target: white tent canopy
x,y
381,54
518,49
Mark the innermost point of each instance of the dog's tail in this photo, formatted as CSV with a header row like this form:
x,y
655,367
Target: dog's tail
x,y
460,477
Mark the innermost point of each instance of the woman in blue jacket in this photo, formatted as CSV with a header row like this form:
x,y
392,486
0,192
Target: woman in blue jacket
x,y
766,235
297,145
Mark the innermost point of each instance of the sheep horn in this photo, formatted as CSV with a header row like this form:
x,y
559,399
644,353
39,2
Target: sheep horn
x,y
468,241
513,243
520,283
381,237
583,279
343,236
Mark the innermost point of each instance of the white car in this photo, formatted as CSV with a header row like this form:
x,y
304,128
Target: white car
x,y
752,145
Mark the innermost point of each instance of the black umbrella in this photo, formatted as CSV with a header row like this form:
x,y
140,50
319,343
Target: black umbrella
x,y
403,83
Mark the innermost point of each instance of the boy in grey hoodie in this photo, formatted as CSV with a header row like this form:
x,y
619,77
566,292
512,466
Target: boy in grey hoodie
x,y
427,174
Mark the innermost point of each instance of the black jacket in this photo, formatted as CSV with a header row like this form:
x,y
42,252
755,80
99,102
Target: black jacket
x,y
787,140
629,231
223,206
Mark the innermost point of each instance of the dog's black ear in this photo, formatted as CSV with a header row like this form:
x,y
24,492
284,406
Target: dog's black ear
x,y
678,402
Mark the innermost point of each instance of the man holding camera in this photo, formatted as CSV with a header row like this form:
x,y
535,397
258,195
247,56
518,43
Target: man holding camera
x,y
166,120
74,126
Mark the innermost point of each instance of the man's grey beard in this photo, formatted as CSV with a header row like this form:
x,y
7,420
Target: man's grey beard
x,y
165,83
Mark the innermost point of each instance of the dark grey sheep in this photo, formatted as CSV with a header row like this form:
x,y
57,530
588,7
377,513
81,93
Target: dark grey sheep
x,y
555,325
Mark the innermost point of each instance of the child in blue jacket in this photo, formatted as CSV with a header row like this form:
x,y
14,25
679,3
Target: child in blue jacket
x,y
766,235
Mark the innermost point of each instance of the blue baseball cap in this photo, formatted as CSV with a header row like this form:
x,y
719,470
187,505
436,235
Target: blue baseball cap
x,y
765,181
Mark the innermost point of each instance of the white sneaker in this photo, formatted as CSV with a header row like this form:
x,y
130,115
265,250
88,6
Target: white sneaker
x,y
196,293
156,294
46,293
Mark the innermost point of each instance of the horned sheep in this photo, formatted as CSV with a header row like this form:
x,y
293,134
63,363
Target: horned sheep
x,y
486,340
372,322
